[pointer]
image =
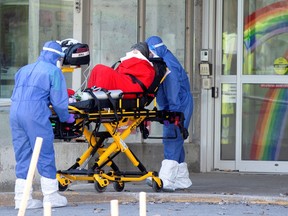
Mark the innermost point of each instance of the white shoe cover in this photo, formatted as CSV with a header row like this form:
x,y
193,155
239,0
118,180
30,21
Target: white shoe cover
x,y
55,199
168,173
19,190
31,204
182,180
50,192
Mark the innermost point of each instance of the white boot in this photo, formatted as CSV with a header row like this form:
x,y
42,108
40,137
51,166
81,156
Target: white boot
x,y
168,173
182,180
50,192
19,191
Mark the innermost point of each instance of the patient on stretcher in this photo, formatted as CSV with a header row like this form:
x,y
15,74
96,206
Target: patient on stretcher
x,y
135,73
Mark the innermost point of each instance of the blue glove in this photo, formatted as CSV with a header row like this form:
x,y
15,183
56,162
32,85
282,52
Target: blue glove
x,y
166,122
71,118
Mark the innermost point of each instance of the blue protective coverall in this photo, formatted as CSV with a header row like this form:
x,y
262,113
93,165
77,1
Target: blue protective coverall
x,y
37,86
174,95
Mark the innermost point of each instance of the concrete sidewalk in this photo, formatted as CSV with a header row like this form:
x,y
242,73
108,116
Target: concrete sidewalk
x,y
214,187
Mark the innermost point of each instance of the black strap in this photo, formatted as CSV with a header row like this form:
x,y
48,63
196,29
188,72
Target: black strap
x,y
114,65
90,91
135,80
111,100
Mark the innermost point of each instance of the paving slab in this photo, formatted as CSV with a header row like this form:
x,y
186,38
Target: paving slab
x,y
214,187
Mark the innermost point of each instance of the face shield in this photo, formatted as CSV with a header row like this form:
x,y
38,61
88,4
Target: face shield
x,y
152,53
62,54
59,62
152,49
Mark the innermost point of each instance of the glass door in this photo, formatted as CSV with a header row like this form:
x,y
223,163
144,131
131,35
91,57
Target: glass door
x,y
226,81
253,113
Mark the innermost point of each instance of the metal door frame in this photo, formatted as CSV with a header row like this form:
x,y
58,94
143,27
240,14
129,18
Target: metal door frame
x,y
239,79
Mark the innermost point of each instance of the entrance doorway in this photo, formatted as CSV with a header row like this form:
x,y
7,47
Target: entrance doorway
x,y
252,108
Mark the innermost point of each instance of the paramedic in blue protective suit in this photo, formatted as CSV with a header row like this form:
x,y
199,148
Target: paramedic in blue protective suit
x,y
174,95
37,86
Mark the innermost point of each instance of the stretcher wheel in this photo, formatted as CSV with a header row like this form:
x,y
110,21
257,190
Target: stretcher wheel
x,y
156,187
62,187
118,186
99,188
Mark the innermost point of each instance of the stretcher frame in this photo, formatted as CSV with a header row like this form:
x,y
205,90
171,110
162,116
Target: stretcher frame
x,y
112,120
131,113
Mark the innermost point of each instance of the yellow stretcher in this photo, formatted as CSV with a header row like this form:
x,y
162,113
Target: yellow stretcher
x,y
90,120
98,119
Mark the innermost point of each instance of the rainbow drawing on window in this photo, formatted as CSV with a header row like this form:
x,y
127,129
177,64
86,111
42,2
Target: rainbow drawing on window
x,y
269,129
265,23
260,26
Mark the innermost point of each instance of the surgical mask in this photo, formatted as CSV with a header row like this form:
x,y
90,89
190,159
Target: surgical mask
x,y
59,62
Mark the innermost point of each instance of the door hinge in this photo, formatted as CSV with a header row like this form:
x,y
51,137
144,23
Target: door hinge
x,y
214,92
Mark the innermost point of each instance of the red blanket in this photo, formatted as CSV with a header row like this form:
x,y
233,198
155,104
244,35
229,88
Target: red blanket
x,y
110,79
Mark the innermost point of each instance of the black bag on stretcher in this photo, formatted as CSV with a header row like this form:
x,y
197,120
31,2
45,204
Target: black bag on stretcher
x,y
76,54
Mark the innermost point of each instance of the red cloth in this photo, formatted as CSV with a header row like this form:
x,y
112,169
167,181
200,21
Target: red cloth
x,y
110,79
70,92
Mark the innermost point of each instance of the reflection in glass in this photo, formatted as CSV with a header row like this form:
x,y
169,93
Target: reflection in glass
x,y
13,43
54,24
229,37
265,110
228,121
55,20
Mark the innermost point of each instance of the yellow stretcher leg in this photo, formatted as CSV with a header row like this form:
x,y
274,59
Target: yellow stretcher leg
x,y
119,142
106,154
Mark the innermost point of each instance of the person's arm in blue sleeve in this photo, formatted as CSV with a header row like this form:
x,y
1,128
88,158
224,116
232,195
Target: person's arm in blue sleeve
x,y
59,95
172,89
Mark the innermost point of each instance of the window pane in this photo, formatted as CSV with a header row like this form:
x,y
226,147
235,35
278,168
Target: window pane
x,y
265,112
56,23
13,43
228,121
229,44
265,38
21,41
55,20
